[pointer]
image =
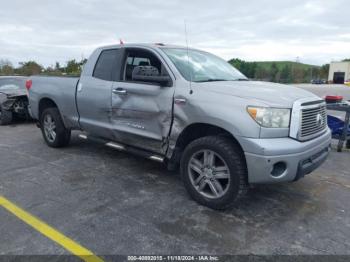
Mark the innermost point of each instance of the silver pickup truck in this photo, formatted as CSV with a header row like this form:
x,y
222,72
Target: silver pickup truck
x,y
188,109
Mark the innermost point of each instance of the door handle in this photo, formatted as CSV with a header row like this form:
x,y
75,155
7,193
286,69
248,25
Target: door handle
x,y
180,101
119,91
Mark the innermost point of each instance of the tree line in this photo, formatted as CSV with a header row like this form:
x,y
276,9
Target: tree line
x,y
281,72
72,67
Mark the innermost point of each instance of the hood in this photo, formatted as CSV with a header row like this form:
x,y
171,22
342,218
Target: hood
x,y
270,94
13,92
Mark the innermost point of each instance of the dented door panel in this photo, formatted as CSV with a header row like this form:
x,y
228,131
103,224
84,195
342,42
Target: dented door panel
x,y
141,116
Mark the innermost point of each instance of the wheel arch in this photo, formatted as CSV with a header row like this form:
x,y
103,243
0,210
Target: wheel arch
x,y
198,130
45,103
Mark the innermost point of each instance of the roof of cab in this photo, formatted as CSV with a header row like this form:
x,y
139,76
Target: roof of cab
x,y
150,45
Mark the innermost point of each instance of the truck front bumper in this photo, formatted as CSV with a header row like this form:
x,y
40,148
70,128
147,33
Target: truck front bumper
x,y
283,159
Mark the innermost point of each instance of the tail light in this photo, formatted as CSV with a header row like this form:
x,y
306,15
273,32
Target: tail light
x,y
29,84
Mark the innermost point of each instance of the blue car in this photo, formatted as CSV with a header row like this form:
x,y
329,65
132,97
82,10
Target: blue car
x,y
337,127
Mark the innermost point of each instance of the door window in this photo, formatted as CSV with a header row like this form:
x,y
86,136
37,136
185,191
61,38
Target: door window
x,y
139,57
12,84
107,64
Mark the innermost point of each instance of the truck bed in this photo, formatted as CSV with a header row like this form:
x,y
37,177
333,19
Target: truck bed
x,y
59,89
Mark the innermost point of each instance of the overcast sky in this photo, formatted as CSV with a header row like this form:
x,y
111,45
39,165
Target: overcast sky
x,y
48,31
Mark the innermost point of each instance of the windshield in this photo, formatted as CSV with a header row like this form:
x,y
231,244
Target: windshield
x,y
201,66
11,84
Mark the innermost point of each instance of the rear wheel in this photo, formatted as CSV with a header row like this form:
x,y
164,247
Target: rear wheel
x,y
5,116
214,171
348,144
54,132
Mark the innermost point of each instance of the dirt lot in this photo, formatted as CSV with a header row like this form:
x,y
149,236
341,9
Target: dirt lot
x,y
114,203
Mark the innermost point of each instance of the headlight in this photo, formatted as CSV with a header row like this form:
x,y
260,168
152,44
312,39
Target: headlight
x,y
270,117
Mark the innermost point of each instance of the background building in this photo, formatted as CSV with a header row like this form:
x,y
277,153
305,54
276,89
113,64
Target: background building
x,y
339,72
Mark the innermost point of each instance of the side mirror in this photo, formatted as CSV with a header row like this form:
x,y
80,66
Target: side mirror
x,y
149,74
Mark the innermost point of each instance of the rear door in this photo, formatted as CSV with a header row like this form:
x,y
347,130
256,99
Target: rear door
x,y
142,112
94,94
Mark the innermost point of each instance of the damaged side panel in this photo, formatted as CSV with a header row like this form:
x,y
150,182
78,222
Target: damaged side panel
x,y
142,117
197,109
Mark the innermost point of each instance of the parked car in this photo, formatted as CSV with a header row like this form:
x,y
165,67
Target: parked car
x,y
191,109
318,81
13,99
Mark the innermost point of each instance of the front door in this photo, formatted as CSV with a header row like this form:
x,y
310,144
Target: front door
x,y
94,95
142,112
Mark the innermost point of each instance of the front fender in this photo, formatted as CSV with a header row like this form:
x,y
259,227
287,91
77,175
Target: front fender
x,y
230,115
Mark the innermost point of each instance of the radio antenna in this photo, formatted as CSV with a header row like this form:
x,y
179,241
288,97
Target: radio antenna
x,y
188,58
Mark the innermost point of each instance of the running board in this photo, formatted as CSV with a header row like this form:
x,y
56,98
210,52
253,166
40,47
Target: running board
x,y
120,147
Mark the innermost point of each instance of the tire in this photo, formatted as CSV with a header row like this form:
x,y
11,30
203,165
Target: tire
x,y
348,144
54,132
5,117
226,153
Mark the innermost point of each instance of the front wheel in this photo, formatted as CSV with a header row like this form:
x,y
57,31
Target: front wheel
x,y
54,132
214,171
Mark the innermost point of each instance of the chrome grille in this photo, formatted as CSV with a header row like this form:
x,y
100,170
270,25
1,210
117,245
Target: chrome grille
x,y
313,121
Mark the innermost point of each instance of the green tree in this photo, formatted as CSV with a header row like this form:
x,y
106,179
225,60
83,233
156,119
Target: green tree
x,y
29,68
262,74
7,70
251,70
273,72
324,71
72,67
285,76
283,71
6,67
298,74
247,68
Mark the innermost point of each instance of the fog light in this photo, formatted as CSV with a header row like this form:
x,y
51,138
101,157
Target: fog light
x,y
278,169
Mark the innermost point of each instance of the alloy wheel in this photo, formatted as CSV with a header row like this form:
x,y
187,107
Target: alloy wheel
x,y
209,174
49,128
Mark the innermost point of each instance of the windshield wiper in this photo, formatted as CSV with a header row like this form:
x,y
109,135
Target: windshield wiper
x,y
219,79
212,80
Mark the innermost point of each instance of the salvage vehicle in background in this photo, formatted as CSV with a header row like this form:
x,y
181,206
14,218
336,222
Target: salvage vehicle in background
x,y
318,81
13,99
191,109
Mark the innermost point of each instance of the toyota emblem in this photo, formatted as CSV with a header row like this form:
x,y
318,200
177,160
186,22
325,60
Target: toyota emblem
x,y
319,120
